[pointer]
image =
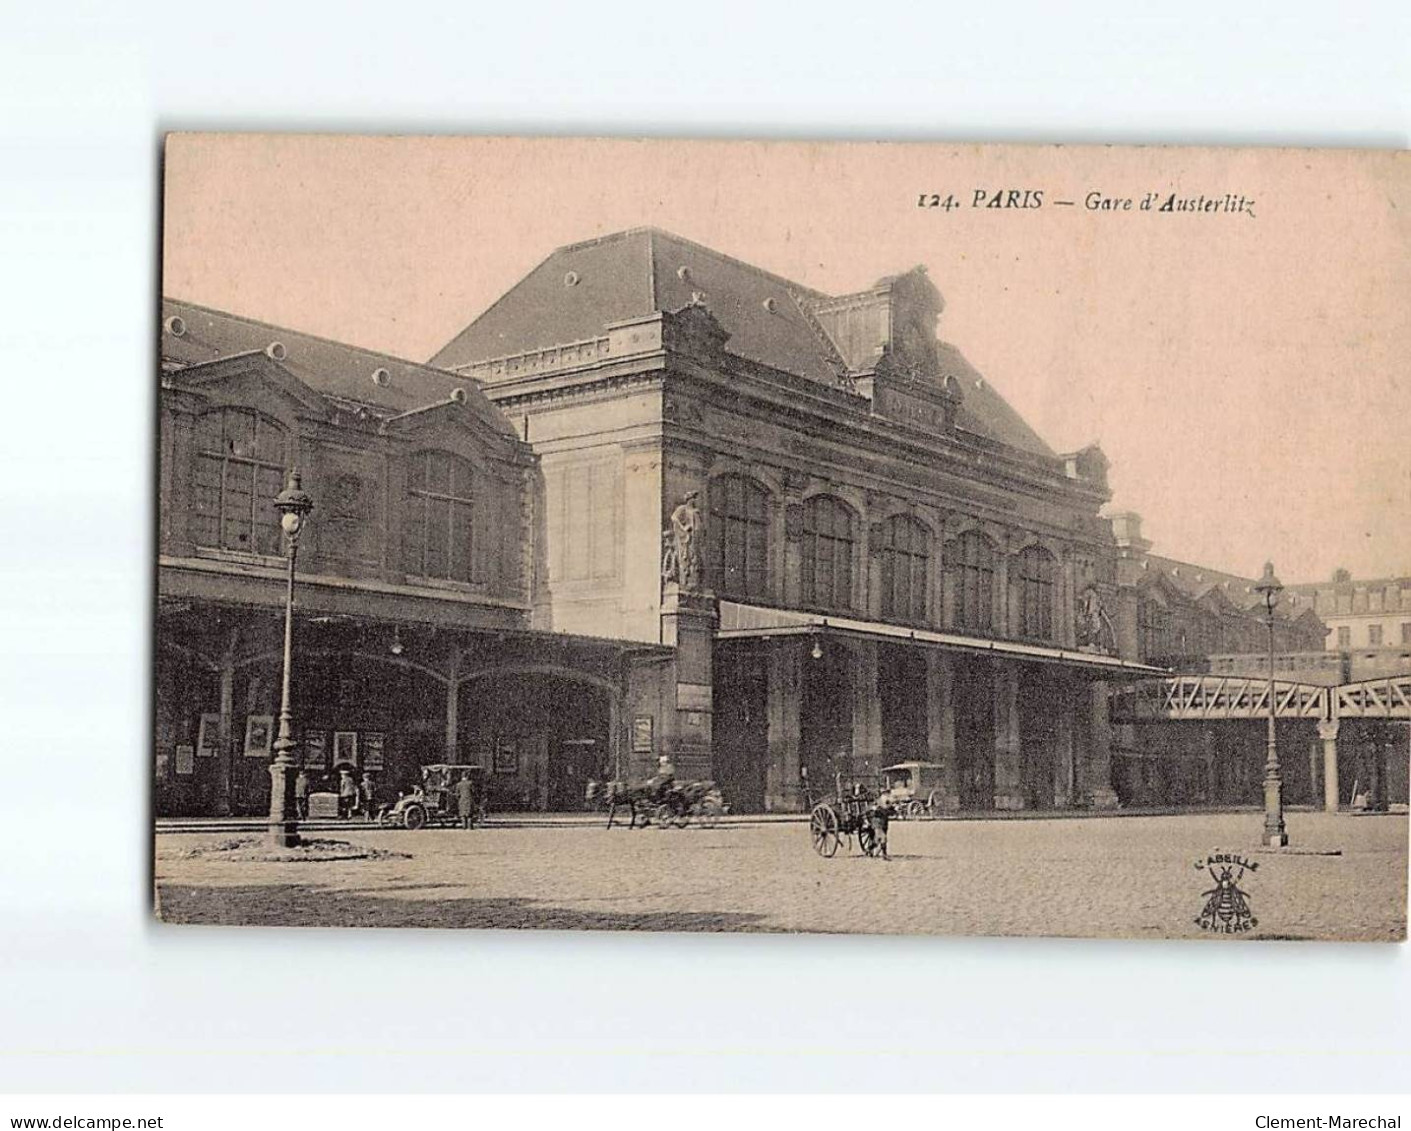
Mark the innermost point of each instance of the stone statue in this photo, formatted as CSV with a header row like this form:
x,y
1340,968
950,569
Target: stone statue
x,y
687,528
1094,625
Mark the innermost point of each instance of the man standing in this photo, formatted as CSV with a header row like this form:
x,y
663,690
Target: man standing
x,y
347,793
465,801
301,793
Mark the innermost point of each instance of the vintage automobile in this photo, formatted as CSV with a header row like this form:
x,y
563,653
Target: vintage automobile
x,y
435,800
914,789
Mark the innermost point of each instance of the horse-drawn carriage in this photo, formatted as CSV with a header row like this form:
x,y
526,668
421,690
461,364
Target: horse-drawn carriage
x,y
914,789
854,810
436,801
664,802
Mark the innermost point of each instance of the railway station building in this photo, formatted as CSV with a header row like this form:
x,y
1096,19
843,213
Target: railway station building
x,y
655,502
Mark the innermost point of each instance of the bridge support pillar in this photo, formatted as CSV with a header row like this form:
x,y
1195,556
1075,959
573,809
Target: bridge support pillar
x,y
1328,733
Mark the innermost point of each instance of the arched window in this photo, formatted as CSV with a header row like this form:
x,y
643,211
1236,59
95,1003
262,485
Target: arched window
x,y
827,553
240,461
1153,629
438,525
906,565
737,537
974,568
1036,568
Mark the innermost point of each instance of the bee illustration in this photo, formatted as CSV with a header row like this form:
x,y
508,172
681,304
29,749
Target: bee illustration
x,y
1226,904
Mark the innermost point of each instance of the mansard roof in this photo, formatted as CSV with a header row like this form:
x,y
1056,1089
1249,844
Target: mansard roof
x,y
387,385
583,287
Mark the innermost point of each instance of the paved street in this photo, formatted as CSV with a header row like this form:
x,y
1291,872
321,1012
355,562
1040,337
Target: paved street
x,y
1091,877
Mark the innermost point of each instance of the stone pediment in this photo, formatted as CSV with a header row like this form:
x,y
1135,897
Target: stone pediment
x,y
231,373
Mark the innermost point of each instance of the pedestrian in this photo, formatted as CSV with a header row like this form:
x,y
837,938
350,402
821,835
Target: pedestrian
x,y
465,800
301,794
367,793
347,793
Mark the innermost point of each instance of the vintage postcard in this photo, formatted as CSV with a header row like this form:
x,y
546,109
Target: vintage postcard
x,y
763,536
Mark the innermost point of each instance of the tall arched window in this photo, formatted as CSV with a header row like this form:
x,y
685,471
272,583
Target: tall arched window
x,y
737,537
1153,629
240,461
1036,568
906,566
437,525
974,569
827,553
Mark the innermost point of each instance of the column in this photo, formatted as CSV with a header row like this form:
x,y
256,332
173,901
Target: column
x,y
1099,767
614,750
1009,769
1328,733
225,753
1065,770
866,710
940,724
453,694
785,691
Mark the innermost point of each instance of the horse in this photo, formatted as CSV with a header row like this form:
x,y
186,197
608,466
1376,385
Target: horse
x,y
639,798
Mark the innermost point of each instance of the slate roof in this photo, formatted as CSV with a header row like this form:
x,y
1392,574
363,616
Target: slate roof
x,y
1195,581
332,369
635,273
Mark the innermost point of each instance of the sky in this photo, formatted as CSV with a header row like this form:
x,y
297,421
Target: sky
x,y
1248,373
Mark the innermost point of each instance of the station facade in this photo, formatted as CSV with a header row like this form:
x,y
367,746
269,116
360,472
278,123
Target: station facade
x,y
894,565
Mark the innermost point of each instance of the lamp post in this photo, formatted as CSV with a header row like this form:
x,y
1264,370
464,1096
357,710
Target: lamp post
x,y
1275,836
293,504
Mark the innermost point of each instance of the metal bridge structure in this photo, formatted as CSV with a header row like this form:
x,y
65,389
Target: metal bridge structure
x,y
1204,698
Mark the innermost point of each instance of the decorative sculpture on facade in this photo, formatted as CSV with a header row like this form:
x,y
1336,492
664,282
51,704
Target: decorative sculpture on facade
x,y
681,545
1095,631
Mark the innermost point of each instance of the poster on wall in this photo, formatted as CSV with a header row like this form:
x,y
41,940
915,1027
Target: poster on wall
x,y
208,736
506,757
186,759
259,734
345,748
373,743
642,734
315,749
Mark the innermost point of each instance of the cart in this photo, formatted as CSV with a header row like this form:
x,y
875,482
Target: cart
x,y
851,812
914,789
434,801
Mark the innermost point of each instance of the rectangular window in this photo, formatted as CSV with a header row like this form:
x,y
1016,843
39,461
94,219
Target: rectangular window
x,y
1374,635
1406,632
1344,636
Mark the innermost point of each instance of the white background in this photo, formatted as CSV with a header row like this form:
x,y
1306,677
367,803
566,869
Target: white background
x,y
94,996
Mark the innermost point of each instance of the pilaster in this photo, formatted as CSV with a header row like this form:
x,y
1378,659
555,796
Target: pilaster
x,y
1009,769
940,725
867,709
781,788
688,625
1098,771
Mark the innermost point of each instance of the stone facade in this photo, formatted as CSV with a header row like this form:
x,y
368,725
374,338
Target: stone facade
x,y
850,467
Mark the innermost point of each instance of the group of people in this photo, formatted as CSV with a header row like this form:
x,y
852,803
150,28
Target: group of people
x,y
356,797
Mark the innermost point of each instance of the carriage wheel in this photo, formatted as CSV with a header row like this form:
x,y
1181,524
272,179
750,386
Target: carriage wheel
x,y
867,840
414,817
710,813
935,803
915,809
665,816
823,826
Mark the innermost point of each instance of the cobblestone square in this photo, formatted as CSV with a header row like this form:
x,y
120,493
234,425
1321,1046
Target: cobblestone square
x,y
1345,878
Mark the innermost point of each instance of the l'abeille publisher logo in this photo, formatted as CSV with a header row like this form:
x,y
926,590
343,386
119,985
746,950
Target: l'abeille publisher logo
x,y
1226,910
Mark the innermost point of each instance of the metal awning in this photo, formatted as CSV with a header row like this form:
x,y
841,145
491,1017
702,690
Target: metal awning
x,y
739,621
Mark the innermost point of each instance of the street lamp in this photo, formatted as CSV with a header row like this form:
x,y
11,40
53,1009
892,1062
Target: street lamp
x,y
293,504
1269,588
